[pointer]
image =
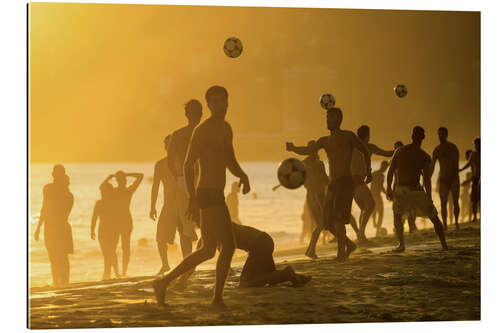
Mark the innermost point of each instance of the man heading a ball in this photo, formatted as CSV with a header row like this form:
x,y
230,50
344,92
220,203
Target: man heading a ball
x,y
339,146
212,146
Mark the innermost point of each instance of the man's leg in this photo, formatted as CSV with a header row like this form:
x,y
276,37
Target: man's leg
x,y
186,245
163,250
455,194
125,236
398,226
368,206
317,212
444,191
438,228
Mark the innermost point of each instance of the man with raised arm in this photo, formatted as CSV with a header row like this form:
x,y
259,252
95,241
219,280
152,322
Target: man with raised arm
x,y
212,146
446,153
339,146
408,163
475,164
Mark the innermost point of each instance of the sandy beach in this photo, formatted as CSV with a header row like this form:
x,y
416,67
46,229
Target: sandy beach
x,y
422,284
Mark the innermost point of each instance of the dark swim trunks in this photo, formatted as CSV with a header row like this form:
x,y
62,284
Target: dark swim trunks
x,y
339,200
446,184
210,197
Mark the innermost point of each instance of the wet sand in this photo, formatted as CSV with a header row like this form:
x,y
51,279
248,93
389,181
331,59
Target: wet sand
x,y
422,284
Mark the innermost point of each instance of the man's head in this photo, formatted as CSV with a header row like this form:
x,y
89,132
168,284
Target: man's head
x,y
477,144
398,144
166,141
334,118
468,152
443,134
384,165
418,134
193,111
121,179
58,173
217,100
364,133
106,189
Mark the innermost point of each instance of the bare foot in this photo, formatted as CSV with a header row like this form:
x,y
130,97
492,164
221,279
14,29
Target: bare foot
x,y
159,288
350,249
340,259
311,255
218,306
399,249
163,270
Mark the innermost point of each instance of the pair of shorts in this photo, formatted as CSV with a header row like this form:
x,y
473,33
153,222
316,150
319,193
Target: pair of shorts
x,y
338,201
475,194
167,225
210,197
449,184
407,200
260,259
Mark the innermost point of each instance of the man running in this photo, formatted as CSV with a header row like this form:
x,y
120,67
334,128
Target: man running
x,y
176,154
339,146
409,162
212,146
446,153
475,164
362,194
167,222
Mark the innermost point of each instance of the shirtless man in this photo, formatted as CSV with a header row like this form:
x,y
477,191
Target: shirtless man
x,y
377,188
212,146
465,202
167,221
446,153
362,194
176,154
339,147
409,162
475,164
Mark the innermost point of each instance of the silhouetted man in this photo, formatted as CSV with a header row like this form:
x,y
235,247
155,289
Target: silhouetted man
x,y
339,146
465,203
212,146
362,194
446,153
167,222
475,164
176,154
377,188
409,162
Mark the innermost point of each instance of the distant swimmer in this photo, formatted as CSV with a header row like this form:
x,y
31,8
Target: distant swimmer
x,y
233,203
57,203
377,188
176,154
339,146
167,221
123,196
409,162
446,153
211,146
362,194
104,211
259,268
475,164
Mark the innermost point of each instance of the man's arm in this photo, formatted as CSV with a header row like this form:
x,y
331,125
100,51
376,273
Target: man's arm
x,y
361,147
469,162
232,164
305,150
390,175
138,179
154,191
378,151
107,179
426,173
171,154
192,155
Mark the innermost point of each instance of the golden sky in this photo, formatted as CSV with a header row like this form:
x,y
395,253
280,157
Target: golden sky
x,y
108,82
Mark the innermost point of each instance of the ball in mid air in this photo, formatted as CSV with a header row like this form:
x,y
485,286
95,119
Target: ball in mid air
x,y
401,90
233,47
327,101
291,173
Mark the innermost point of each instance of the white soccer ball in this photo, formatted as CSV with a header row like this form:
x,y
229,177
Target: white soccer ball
x,y
233,47
401,90
327,101
291,173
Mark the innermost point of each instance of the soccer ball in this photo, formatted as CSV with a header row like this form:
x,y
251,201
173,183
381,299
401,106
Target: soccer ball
x,y
327,101
233,47
291,173
401,90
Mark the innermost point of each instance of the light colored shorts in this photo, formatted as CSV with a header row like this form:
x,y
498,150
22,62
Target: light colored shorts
x,y
406,200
